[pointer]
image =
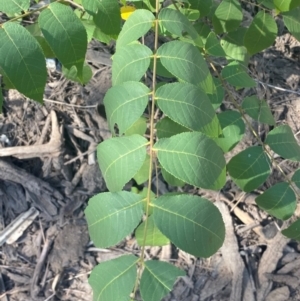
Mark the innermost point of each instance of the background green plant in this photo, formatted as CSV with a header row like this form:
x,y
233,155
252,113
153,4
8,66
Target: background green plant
x,y
188,143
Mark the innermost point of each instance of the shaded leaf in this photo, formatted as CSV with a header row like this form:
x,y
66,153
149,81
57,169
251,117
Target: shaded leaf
x,y
166,128
170,179
114,279
250,168
261,33
193,158
184,61
1,99
143,174
204,7
292,22
120,158
12,7
293,231
187,105
192,223
125,104
279,201
139,127
153,237
113,216
282,141
217,97
236,75
158,279
130,63
212,45
228,16
22,62
178,24
296,178
233,128
139,23
106,14
72,74
65,34
258,110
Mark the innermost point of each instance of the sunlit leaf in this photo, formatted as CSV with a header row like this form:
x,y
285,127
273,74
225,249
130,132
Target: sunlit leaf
x,y
233,128
11,7
250,168
114,279
184,61
261,33
65,34
22,62
258,110
228,16
130,63
192,223
136,26
212,45
282,141
236,75
279,201
125,104
187,105
293,231
202,156
113,216
292,22
286,5
158,279
120,158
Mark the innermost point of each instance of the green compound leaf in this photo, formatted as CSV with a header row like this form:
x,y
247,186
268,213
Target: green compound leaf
x,y
170,179
292,22
106,14
296,178
193,158
153,238
192,223
258,110
261,33
158,279
139,127
213,47
166,128
120,159
286,5
22,61
217,97
282,141
12,7
236,76
279,201
176,23
233,45
114,279
293,231
143,173
184,61
228,16
138,24
130,63
250,168
204,7
125,104
65,34
113,216
187,105
233,128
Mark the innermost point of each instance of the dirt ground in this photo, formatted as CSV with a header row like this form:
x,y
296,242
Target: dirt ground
x,y
48,161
